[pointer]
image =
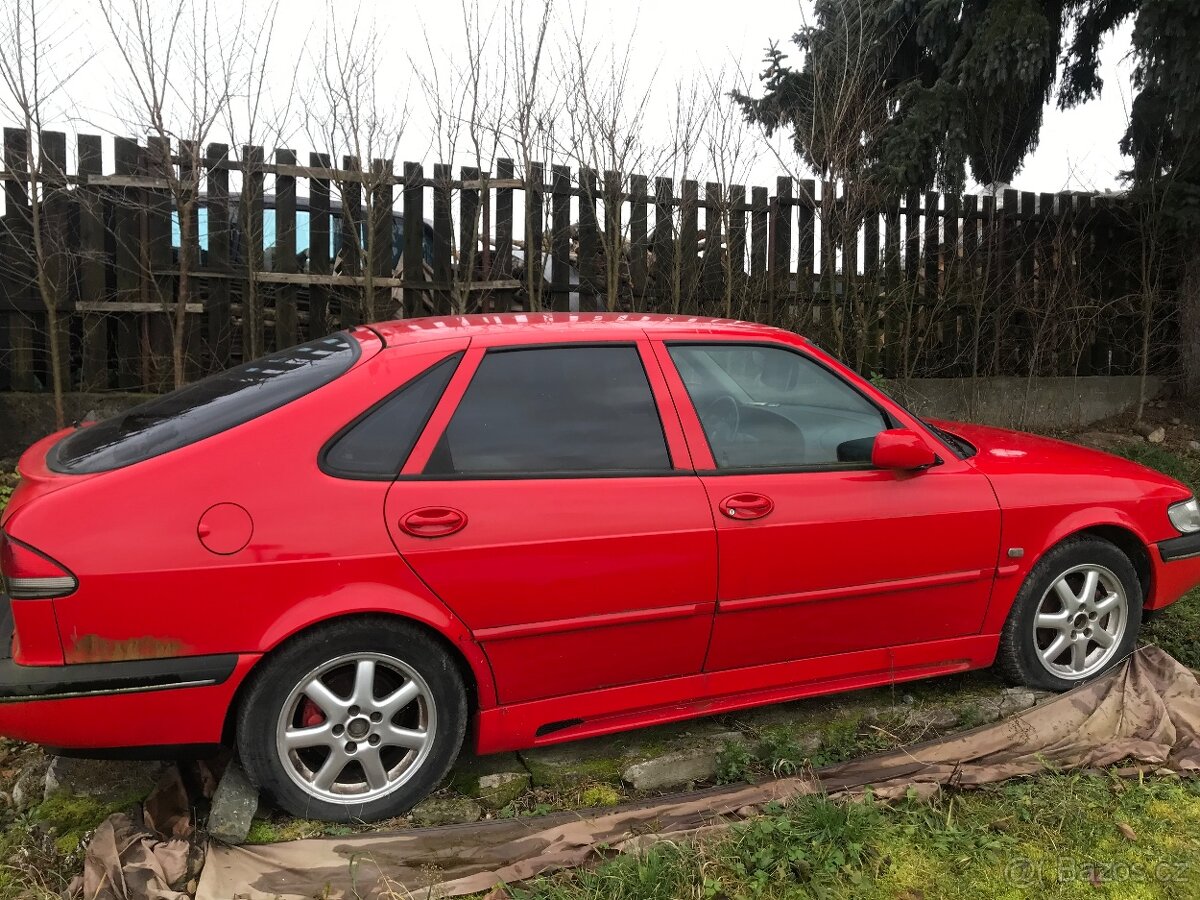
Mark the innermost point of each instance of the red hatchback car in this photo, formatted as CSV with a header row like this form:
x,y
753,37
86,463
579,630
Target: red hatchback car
x,y
537,528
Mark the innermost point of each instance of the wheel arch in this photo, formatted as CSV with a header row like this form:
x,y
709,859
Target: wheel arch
x,y
467,654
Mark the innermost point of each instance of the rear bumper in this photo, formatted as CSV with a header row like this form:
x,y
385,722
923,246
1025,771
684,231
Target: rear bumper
x,y
1176,565
124,705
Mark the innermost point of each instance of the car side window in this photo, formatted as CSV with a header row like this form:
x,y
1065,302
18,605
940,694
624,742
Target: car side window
x,y
564,410
767,407
377,443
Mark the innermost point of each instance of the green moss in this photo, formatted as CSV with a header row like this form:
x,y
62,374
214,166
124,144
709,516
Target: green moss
x,y
72,816
267,831
605,770
600,795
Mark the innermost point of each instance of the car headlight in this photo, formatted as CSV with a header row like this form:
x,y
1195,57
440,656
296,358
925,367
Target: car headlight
x,y
1185,516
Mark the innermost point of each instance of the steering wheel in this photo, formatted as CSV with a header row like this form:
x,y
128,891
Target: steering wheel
x,y
721,417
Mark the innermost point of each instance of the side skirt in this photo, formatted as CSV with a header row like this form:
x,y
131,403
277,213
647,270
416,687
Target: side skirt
x,y
560,719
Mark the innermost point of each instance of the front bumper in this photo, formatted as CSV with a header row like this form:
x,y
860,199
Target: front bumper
x,y
1176,570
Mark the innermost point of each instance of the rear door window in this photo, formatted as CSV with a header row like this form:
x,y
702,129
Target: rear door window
x,y
200,410
547,411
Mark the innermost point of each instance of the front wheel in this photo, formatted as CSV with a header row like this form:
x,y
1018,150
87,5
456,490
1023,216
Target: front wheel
x,y
1076,616
355,721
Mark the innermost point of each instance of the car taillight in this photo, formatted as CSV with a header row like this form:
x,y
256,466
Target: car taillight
x,y
31,575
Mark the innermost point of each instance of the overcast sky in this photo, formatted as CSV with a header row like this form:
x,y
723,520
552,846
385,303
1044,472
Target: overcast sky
x,y
672,40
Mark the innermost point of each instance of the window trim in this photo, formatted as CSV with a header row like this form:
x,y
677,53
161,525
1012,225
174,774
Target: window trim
x,y
670,471
889,421
323,454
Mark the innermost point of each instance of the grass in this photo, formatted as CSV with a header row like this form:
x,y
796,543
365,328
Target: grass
x,y
1060,836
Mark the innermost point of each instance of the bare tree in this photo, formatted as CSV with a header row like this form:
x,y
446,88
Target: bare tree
x,y
184,68
35,69
346,112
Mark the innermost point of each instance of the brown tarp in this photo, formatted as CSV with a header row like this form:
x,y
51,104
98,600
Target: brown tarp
x,y
1146,711
147,857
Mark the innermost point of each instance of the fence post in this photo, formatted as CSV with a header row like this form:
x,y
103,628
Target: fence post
x,y
534,221
251,215
443,239
663,274
502,265
383,241
94,376
414,237
217,305
588,239
319,252
468,226
286,328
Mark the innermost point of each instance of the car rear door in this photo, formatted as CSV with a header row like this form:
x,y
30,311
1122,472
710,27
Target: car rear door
x,y
819,553
551,504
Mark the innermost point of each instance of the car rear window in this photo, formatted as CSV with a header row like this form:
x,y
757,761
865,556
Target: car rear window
x,y
207,407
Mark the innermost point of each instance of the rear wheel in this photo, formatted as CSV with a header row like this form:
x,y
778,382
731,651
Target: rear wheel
x,y
1077,615
355,721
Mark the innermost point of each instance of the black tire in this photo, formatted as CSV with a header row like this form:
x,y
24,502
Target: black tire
x,y
1019,659
397,651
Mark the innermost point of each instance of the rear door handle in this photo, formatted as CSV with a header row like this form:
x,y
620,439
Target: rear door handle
x,y
433,521
746,506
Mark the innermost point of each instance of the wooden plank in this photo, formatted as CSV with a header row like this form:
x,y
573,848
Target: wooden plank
x,y
159,285
849,239
737,232
759,200
350,259
781,232
891,240
613,248
534,225
830,239
190,169
468,225
712,272
502,266
443,237
127,262
639,238
871,244
689,244
1028,233
414,239
319,252
251,208
662,269
287,329
217,304
58,246
806,237
589,242
932,245
912,236
17,269
91,265
383,249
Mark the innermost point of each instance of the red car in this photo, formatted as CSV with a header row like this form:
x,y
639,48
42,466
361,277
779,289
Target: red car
x,y
536,528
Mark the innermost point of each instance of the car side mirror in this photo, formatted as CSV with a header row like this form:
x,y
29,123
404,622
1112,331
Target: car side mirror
x,y
901,448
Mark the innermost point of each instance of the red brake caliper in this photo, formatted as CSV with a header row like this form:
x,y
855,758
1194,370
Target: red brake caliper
x,y
310,714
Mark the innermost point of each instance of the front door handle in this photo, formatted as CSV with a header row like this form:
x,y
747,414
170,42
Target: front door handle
x,y
433,521
746,506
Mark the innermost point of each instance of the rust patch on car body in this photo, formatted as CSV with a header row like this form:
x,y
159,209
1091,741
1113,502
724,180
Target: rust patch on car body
x,y
92,648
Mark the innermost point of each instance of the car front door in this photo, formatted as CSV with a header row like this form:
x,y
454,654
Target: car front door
x,y
819,553
552,507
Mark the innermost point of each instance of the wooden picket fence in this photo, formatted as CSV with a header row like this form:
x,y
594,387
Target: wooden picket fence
x,y
923,285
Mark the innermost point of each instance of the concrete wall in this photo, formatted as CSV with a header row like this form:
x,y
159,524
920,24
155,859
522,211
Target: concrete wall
x,y
1039,404
1043,404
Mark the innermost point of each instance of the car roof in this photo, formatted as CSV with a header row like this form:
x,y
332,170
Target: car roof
x,y
541,325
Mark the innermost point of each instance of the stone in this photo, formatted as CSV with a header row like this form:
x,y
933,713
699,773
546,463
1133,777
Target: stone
x,y
1176,421
1016,699
681,767
1194,446
936,718
234,804
1157,436
446,811
498,790
107,780
29,788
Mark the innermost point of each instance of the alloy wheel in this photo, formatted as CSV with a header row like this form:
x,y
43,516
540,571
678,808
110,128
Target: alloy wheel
x,y
356,728
1080,622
